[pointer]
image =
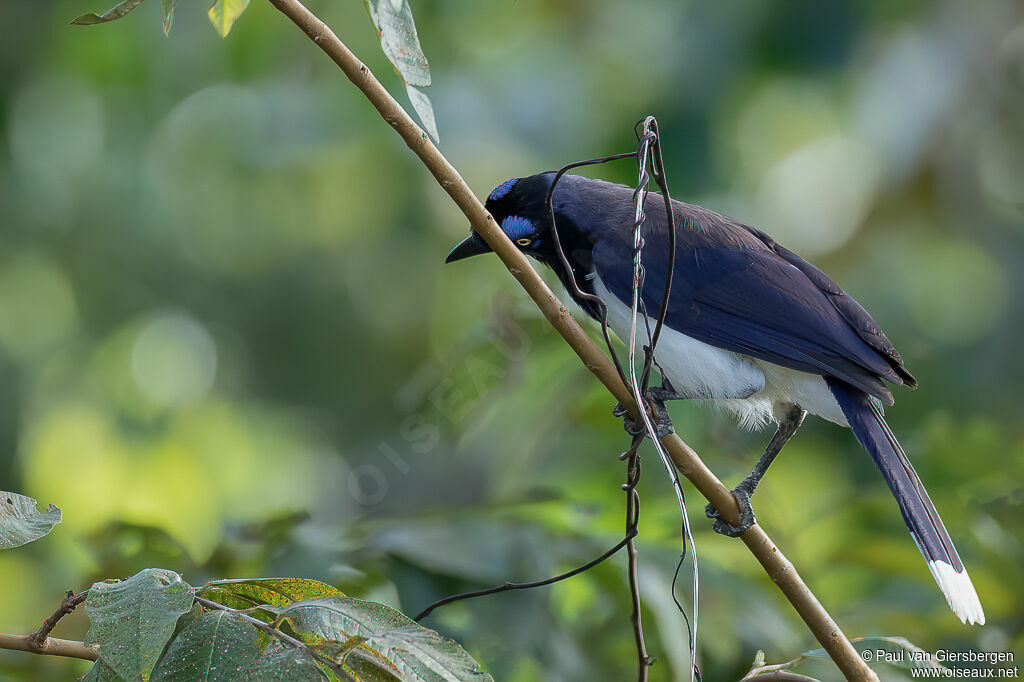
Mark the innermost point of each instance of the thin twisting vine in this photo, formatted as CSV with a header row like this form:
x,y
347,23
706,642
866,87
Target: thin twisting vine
x,y
648,152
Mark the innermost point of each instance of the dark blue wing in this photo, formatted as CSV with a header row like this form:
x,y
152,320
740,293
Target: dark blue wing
x,y
734,288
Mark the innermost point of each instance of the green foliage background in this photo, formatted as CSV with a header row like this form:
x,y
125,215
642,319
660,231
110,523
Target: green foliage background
x,y
228,345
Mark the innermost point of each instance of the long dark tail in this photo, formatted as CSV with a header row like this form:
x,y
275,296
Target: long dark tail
x,y
868,425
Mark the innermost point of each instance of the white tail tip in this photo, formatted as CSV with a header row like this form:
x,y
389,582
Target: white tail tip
x,y
959,591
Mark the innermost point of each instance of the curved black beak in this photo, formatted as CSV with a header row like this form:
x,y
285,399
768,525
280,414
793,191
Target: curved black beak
x,y
473,245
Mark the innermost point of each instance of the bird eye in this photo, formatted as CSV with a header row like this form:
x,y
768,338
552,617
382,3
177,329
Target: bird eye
x,y
523,242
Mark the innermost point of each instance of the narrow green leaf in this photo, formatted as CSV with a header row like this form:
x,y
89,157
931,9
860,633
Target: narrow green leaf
x,y
397,32
280,663
214,647
224,13
21,522
115,12
168,15
415,652
424,109
245,593
133,619
401,45
902,653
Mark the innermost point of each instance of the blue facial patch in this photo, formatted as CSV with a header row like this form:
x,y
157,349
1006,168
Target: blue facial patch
x,y
502,189
516,227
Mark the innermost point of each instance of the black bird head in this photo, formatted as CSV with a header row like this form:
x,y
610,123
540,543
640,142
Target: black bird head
x,y
583,208
518,206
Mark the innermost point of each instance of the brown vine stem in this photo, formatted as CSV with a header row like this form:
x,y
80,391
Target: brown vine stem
x,y
70,603
775,564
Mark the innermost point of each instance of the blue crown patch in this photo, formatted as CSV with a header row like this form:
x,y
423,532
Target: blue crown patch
x,y
515,227
502,189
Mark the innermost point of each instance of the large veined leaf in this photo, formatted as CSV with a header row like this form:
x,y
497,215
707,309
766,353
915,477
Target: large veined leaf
x,y
116,12
281,663
100,672
132,620
245,593
414,651
21,521
224,13
360,661
367,665
423,654
215,646
401,45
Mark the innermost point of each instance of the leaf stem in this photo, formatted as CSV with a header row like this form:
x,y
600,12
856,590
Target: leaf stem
x,y
277,634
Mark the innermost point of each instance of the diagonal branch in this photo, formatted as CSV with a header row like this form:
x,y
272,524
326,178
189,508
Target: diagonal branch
x,y
778,568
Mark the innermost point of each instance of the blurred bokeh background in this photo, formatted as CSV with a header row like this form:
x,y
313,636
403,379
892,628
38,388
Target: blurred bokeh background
x,y
229,346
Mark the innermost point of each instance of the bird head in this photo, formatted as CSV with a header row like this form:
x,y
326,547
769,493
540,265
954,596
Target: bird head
x,y
518,206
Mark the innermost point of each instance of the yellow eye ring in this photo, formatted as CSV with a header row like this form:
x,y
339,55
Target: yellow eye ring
x,y
523,242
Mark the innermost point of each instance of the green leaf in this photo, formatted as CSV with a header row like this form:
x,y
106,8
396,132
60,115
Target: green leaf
x,y
424,109
21,522
215,646
902,652
224,13
415,652
398,39
100,672
245,593
280,663
401,45
115,12
133,619
362,662
168,15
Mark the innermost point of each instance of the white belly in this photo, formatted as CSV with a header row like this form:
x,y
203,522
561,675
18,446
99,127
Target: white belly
x,y
747,387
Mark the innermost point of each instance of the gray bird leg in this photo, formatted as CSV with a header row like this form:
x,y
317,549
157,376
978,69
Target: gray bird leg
x,y
790,420
656,395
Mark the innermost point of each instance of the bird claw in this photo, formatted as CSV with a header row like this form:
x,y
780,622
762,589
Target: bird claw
x,y
662,422
632,427
747,518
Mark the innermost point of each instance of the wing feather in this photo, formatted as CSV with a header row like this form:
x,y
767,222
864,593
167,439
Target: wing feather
x,y
735,288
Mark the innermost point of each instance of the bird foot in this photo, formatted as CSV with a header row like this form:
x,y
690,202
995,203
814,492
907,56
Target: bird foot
x,y
656,395
747,518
